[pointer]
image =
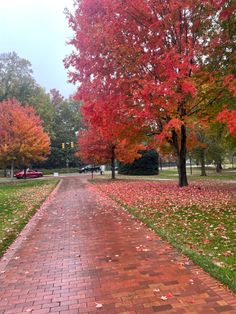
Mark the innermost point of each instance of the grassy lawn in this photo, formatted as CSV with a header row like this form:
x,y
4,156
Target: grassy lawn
x,y
199,220
172,174
18,202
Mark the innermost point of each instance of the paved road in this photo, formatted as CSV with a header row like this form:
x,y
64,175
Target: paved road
x,y
87,255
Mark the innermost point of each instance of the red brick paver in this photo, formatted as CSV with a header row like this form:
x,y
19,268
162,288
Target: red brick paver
x,y
86,251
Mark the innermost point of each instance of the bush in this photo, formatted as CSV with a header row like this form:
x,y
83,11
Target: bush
x,y
148,164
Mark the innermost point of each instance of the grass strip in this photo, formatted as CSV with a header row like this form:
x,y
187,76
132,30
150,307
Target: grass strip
x,y
18,203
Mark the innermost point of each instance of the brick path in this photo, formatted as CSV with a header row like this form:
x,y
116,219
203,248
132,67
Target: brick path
x,y
87,251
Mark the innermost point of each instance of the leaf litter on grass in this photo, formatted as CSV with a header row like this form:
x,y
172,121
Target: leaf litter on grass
x,y
200,217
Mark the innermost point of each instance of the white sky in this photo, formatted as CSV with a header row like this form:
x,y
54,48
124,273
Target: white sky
x,y
37,30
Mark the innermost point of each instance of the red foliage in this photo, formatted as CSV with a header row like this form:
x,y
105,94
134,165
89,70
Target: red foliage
x,y
137,64
229,118
92,148
167,195
95,149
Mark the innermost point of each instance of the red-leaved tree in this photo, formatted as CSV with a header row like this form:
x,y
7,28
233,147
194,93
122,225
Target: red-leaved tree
x,y
147,62
95,149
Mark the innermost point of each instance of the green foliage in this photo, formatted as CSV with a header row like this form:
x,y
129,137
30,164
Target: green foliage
x,y
16,78
146,165
66,122
41,101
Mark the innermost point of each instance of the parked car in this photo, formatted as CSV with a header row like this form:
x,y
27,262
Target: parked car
x,y
90,168
29,174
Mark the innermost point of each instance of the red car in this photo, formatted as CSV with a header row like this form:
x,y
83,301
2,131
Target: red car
x,y
29,174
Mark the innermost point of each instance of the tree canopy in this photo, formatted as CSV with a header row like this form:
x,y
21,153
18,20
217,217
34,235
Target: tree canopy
x,y
148,62
16,78
22,138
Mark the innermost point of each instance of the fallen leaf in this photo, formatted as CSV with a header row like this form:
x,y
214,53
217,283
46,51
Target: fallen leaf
x,y
99,305
156,290
169,295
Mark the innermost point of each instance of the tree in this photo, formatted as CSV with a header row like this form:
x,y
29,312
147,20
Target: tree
x,y
16,81
41,102
56,97
151,58
16,78
67,121
95,149
22,138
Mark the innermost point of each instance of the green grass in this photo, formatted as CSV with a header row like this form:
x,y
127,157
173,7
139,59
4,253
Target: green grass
x,y
171,173
18,202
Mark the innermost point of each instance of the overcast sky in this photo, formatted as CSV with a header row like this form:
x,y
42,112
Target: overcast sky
x,y
37,30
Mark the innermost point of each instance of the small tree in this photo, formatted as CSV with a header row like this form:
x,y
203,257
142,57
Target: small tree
x,y
22,138
94,149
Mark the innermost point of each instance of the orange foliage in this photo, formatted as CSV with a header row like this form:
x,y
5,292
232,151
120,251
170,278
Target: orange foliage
x,y
22,138
95,149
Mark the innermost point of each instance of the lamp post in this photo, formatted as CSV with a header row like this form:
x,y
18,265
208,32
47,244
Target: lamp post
x,y
190,161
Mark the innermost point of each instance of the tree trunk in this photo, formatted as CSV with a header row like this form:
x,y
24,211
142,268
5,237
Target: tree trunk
x,y
12,170
113,172
219,167
181,155
202,161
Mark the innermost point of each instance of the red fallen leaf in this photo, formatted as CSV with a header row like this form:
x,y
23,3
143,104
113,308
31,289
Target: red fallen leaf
x,y
227,253
206,241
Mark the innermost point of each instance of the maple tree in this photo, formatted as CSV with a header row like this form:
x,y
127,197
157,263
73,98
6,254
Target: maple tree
x,y
92,149
147,60
22,138
95,149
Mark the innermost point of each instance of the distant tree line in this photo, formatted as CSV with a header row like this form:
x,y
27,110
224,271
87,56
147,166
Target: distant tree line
x,y
21,96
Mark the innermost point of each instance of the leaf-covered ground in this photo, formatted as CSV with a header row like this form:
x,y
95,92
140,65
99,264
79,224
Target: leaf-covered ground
x,y
18,203
198,219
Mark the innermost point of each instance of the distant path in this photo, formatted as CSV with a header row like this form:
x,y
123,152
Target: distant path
x,y
87,255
